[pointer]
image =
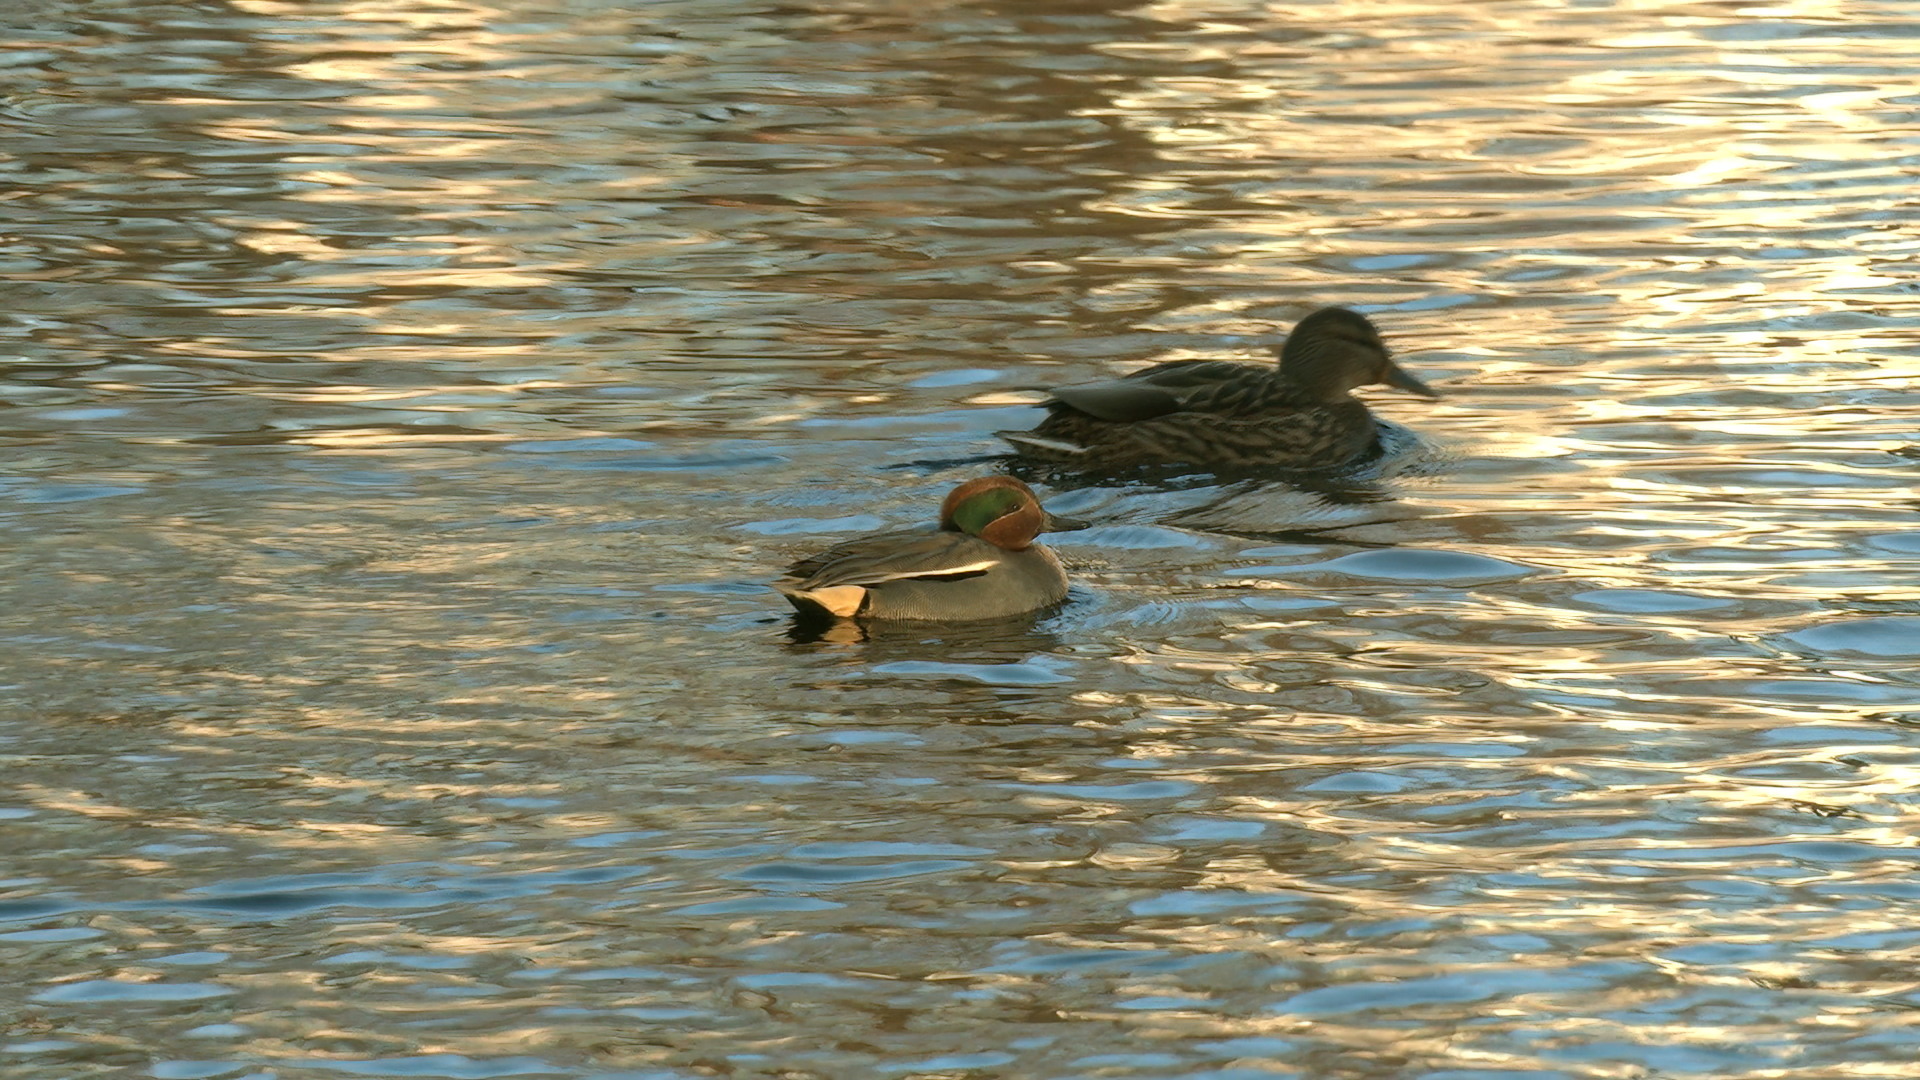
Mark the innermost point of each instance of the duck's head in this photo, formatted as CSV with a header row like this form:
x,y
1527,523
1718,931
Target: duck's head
x,y
1336,349
1002,511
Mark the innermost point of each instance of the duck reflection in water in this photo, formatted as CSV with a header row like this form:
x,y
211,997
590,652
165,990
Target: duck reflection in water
x,y
1011,639
981,562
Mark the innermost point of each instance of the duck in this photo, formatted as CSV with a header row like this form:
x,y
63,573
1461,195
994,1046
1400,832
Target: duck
x,y
1225,415
980,563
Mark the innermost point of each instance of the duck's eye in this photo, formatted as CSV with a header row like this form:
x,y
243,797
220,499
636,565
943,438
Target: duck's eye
x,y
984,509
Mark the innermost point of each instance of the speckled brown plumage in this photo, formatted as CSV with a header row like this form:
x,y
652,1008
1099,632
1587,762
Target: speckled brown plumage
x,y
1223,415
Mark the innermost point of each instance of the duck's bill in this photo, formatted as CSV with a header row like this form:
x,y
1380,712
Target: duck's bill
x,y
1053,522
1398,378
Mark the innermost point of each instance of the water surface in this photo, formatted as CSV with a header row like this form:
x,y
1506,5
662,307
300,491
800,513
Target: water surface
x,y
406,404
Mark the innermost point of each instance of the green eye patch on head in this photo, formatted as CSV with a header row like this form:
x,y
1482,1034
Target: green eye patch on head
x,y
976,512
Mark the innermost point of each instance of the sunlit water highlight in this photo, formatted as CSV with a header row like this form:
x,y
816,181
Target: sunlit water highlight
x,y
406,405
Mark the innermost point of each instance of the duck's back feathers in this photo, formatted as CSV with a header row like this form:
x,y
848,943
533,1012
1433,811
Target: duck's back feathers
x,y
870,560
1223,388
843,579
981,563
1303,438
1223,414
934,576
1209,413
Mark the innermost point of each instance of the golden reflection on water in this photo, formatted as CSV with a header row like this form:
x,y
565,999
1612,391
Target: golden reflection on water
x,y
408,406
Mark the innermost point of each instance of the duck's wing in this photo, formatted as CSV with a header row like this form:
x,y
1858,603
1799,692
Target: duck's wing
x,y
871,560
1211,386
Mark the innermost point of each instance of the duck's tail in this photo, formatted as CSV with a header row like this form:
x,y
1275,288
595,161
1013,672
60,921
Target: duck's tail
x,y
830,602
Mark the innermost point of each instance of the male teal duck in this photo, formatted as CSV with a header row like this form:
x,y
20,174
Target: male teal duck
x,y
1225,415
981,563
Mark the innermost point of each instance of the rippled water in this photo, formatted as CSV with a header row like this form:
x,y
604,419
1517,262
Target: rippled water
x,y
405,405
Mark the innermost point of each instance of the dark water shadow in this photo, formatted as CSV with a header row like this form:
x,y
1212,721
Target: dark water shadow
x,y
931,466
1264,503
881,639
